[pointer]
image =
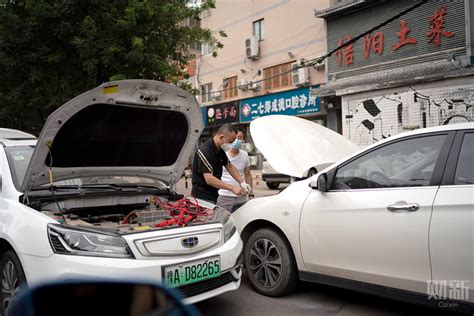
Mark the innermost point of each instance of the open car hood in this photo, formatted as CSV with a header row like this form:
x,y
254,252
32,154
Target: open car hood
x,y
139,128
293,145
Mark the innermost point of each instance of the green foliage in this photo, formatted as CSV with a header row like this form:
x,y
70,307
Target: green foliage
x,y
53,50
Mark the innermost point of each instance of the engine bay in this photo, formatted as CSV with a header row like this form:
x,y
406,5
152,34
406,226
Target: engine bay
x,y
130,214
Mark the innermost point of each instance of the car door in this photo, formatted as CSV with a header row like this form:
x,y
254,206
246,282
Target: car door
x,y
372,225
452,225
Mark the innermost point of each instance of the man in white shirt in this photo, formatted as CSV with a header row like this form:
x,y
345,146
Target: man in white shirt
x,y
240,159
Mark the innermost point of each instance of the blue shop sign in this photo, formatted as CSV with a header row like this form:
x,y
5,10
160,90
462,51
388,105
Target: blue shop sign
x,y
293,102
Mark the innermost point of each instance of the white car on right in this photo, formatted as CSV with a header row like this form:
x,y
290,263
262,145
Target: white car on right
x,y
395,219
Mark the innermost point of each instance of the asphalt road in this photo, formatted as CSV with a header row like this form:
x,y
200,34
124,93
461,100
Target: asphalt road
x,y
309,299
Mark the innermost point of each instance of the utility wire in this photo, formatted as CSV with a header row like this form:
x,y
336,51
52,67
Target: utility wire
x,y
319,60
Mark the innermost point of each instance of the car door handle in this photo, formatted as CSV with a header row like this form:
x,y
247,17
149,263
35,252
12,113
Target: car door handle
x,y
403,206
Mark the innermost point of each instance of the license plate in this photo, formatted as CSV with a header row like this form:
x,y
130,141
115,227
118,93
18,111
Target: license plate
x,y
190,272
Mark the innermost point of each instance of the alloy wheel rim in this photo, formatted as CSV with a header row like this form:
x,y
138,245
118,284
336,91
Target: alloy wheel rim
x,y
265,263
10,284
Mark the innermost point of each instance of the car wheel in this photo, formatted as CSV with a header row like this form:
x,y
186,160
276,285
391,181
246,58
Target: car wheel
x,y
12,280
269,263
312,172
273,185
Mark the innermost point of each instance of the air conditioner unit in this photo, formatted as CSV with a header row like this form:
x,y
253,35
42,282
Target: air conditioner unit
x,y
319,67
243,84
252,50
215,95
254,85
299,76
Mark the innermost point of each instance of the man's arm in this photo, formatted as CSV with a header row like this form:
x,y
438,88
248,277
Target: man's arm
x,y
218,184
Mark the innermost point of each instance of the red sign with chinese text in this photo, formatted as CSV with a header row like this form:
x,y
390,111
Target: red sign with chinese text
x,y
375,43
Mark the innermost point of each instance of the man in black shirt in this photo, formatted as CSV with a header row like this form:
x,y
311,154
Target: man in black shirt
x,y
207,166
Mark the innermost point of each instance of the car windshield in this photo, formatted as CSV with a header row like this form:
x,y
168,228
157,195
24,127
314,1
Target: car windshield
x,y
20,156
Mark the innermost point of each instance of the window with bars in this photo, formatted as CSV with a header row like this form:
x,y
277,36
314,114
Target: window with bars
x,y
206,92
230,87
277,76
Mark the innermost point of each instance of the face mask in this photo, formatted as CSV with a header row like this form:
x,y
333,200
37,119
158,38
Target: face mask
x,y
237,144
226,147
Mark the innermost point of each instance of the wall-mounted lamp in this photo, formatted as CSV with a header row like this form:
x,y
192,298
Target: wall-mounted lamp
x,y
242,70
290,54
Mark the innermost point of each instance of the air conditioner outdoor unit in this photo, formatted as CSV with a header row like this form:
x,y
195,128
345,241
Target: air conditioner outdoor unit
x,y
319,67
254,85
252,50
299,76
243,84
215,95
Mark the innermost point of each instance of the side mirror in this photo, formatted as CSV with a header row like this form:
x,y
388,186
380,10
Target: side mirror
x,y
99,298
320,183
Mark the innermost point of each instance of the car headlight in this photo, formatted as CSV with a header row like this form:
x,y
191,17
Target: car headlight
x,y
74,241
229,228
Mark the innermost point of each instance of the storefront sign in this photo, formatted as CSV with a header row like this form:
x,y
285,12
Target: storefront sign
x,y
219,114
416,37
293,102
435,24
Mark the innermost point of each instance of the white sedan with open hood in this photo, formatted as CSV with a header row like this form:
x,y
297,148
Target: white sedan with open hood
x,y
395,219
92,197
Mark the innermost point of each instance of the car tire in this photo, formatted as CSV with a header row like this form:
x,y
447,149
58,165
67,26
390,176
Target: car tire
x,y
269,262
12,280
312,172
273,185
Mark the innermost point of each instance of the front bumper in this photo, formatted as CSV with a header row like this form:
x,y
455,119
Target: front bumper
x,y
227,281
67,267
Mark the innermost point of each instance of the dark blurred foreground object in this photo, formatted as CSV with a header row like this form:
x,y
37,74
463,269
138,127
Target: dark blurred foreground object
x,y
100,298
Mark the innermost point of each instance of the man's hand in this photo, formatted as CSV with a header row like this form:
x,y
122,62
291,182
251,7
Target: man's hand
x,y
246,187
237,191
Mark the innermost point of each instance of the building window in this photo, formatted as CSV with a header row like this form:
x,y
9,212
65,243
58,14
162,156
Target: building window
x,y
277,76
206,92
195,45
206,49
259,30
230,87
193,22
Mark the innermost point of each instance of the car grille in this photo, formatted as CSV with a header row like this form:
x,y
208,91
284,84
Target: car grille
x,y
206,286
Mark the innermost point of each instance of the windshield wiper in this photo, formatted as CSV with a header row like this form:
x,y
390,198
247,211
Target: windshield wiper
x,y
78,187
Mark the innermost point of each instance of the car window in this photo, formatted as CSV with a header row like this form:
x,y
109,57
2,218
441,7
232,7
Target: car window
x,y
402,164
465,169
19,158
